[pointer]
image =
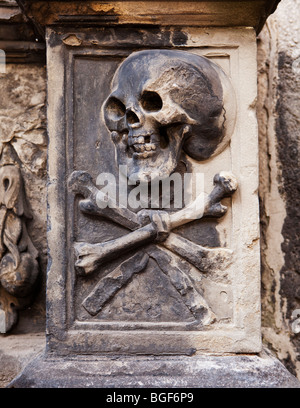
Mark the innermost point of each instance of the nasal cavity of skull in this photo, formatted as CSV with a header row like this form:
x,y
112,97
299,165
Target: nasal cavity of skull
x,y
132,117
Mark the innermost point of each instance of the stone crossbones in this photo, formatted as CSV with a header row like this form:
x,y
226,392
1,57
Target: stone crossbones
x,y
162,102
147,227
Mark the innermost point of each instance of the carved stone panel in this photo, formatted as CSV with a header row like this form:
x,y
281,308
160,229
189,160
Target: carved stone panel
x,y
23,157
19,266
153,213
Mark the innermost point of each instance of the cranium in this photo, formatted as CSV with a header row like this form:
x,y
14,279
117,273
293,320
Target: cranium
x,y
163,101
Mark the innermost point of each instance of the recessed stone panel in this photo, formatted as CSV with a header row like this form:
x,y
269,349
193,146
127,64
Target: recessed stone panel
x,y
153,279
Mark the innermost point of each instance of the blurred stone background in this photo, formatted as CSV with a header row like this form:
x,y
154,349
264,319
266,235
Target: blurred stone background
x,y
278,112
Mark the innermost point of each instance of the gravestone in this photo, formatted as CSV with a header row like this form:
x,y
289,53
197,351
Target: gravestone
x,y
153,219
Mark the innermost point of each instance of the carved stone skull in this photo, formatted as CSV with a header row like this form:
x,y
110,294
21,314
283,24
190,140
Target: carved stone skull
x,y
163,101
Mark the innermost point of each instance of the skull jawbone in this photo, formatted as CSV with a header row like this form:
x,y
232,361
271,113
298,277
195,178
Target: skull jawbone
x,y
149,169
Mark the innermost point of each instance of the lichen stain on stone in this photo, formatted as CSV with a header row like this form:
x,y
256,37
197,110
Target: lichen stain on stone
x,y
72,40
179,38
287,131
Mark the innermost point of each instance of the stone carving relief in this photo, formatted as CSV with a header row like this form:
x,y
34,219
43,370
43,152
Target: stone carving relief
x,y
23,152
163,105
176,100
18,266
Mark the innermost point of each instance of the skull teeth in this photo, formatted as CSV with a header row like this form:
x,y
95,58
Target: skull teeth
x,y
143,148
143,155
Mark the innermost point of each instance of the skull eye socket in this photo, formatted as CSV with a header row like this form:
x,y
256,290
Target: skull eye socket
x,y
151,101
115,109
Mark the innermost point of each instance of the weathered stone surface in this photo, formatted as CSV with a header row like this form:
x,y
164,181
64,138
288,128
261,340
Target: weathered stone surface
x,y
199,13
190,302
23,145
178,307
19,38
278,114
279,279
240,371
16,352
113,282
22,114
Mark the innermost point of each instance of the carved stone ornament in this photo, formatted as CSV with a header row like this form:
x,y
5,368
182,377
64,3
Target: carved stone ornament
x,y
164,101
139,292
18,266
163,104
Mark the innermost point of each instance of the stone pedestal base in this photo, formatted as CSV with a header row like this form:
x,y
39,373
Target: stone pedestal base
x,y
16,351
239,371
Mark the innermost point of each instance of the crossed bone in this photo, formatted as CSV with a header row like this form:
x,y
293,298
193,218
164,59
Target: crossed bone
x,y
150,227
